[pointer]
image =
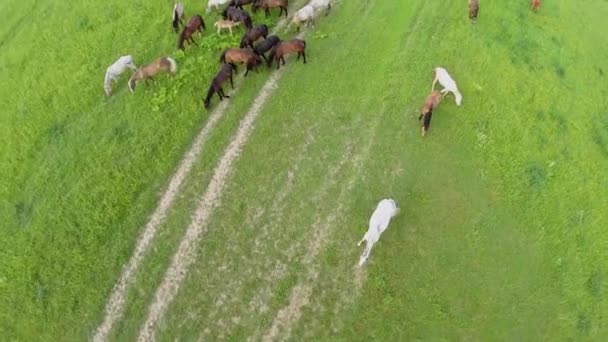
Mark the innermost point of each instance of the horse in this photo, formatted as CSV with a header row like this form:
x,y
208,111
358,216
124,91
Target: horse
x,y
266,5
281,49
305,14
431,103
378,223
178,15
449,85
240,3
235,14
265,46
116,69
473,10
194,24
240,56
535,5
216,84
216,4
320,4
253,34
146,72
223,24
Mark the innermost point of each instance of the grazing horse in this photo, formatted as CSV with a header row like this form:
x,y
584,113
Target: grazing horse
x,y
253,34
265,46
448,83
266,5
305,14
216,84
381,217
282,49
235,14
115,70
240,3
223,24
216,4
535,5
194,24
321,4
473,10
178,15
431,103
146,72
241,56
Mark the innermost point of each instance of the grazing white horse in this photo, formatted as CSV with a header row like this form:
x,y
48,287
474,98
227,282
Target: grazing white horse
x,y
320,4
178,15
216,4
386,209
305,14
115,70
449,85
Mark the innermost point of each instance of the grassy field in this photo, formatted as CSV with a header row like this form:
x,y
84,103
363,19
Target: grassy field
x,y
501,234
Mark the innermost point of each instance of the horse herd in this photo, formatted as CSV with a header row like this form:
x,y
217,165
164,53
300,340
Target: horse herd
x,y
248,53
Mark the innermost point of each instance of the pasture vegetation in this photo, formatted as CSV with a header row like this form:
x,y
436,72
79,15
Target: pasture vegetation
x,y
501,233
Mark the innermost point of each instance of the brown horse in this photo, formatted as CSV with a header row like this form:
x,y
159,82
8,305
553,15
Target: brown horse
x,y
240,3
194,24
266,5
146,72
253,35
535,5
431,103
473,10
241,56
282,49
216,84
235,14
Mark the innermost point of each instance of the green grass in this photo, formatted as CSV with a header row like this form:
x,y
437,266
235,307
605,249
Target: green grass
x,y
501,234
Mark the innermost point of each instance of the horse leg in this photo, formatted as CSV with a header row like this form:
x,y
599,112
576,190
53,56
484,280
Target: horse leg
x,y
304,55
193,42
283,59
264,57
299,54
234,66
278,62
248,68
224,94
231,82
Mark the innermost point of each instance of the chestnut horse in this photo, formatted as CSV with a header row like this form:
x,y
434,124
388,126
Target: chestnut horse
x,y
282,49
431,103
254,34
241,56
535,5
146,72
194,24
266,5
216,84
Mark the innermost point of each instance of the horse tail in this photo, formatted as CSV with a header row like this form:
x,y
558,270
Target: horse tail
x,y
173,65
133,80
223,56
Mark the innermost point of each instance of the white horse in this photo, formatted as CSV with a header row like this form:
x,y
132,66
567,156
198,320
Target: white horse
x,y
305,14
320,4
386,209
178,15
115,70
216,4
449,85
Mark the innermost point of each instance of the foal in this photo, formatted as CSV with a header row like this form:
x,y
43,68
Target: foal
x,y
146,72
266,5
473,10
216,84
223,24
431,103
265,46
194,24
240,56
178,15
282,49
254,34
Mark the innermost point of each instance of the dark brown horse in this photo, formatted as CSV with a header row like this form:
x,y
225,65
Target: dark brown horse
x,y
194,24
282,49
235,14
241,56
253,34
240,3
265,46
216,84
266,5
